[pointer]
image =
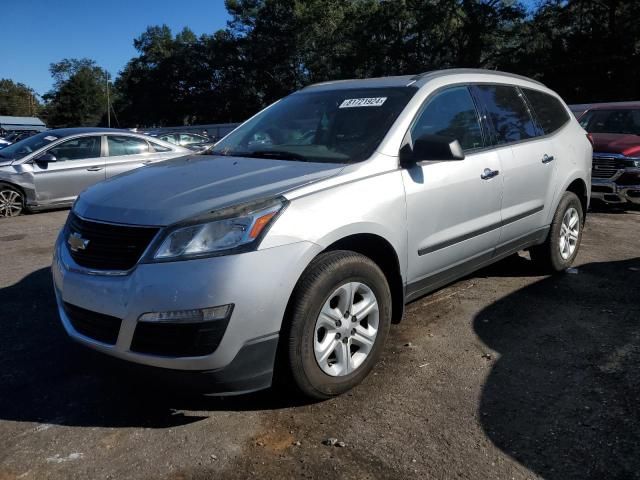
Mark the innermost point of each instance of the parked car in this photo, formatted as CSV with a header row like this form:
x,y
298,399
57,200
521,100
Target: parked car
x,y
305,233
50,169
15,137
183,139
615,131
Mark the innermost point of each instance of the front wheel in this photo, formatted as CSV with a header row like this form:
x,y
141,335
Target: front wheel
x,y
340,318
561,246
11,201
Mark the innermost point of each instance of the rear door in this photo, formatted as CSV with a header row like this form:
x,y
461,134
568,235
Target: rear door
x,y
78,165
527,159
453,213
125,153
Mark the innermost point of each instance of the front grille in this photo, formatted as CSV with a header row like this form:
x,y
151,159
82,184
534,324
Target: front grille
x,y
109,246
178,339
98,326
605,167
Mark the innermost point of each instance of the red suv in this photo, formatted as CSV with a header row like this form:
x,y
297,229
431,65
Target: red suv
x,y
615,133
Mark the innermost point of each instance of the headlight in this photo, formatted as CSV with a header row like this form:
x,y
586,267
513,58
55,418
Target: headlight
x,y
227,230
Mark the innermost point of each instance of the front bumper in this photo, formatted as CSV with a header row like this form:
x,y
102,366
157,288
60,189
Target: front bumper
x,y
608,191
257,283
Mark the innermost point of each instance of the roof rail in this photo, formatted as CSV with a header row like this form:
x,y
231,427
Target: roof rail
x,y
430,75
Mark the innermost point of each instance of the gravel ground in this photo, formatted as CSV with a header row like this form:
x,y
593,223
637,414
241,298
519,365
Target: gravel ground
x,y
505,374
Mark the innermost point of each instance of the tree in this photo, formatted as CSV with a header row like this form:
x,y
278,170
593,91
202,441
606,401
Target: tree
x,y
78,97
16,99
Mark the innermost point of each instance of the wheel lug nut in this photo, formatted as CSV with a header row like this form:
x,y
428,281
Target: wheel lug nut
x,y
338,323
338,336
354,319
345,340
346,314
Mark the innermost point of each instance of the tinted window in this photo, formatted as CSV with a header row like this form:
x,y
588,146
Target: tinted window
x,y
159,148
611,121
338,126
188,139
451,113
168,138
550,113
77,149
126,146
507,112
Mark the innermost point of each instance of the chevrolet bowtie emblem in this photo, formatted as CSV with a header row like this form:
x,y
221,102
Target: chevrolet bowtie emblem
x,y
76,242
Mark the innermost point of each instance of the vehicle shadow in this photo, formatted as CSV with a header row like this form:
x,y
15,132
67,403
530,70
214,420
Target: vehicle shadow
x,y
47,378
562,396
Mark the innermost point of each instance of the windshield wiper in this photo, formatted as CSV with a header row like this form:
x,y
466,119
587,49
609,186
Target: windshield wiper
x,y
277,154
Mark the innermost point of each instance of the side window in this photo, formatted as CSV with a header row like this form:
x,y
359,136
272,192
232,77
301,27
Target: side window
x,y
550,113
77,149
168,138
187,139
508,113
126,145
451,113
159,148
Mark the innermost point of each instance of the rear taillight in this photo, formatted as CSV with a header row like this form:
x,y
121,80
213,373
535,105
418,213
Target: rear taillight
x,y
590,138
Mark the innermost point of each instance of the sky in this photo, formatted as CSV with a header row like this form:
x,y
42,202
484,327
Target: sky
x,y
36,33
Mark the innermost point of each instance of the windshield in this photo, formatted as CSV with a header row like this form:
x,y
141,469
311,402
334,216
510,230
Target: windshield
x,y
339,126
612,121
29,145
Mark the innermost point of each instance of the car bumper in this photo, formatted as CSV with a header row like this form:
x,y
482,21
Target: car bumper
x,y
607,190
258,285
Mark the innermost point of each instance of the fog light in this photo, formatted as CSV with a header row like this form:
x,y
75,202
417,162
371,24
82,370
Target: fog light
x,y
188,316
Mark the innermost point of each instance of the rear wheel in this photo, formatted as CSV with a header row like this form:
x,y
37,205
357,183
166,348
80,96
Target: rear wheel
x,y
561,246
340,318
11,201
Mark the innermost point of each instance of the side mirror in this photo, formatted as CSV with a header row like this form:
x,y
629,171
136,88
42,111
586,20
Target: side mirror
x,y
45,158
432,147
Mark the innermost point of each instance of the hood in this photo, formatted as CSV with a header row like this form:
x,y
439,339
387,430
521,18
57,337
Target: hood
x,y
621,143
167,192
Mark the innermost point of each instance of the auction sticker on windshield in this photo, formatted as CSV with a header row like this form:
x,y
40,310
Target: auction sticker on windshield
x,y
363,102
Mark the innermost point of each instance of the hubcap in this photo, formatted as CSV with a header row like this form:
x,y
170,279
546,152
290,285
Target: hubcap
x,y
346,329
10,203
569,233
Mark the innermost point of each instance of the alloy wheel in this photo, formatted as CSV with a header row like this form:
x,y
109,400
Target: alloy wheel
x,y
569,233
346,329
10,203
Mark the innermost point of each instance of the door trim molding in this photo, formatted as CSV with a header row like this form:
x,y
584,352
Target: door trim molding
x,y
480,231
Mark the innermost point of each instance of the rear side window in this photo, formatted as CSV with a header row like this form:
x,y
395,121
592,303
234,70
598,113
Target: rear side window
x,y
451,113
507,112
126,146
550,113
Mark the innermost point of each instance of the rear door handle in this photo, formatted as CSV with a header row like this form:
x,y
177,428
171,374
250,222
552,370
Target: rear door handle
x,y
94,169
488,173
547,158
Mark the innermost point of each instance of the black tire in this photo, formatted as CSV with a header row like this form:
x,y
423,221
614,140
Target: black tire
x,y
10,193
321,278
548,256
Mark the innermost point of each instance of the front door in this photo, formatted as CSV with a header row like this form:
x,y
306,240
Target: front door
x,y
78,164
453,207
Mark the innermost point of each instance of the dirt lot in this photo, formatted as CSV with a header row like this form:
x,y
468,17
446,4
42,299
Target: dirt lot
x,y
506,374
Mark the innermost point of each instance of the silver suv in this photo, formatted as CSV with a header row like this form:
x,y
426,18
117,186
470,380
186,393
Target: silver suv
x,y
289,252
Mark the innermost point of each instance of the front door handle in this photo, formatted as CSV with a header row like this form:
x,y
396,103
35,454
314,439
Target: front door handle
x,y
94,169
547,158
488,173
147,162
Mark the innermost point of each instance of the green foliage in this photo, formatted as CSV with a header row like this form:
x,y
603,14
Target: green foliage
x,y
17,99
587,50
78,98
